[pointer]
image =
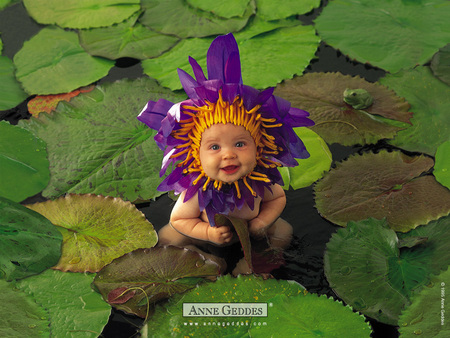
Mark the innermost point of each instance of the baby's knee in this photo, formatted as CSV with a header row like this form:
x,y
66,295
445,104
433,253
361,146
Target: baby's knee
x,y
167,235
280,233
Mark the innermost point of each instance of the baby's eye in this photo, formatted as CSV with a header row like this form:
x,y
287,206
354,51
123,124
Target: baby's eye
x,y
214,147
240,144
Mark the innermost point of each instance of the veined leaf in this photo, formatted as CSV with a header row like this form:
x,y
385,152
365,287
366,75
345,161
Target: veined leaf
x,y
11,93
442,165
440,64
275,10
224,9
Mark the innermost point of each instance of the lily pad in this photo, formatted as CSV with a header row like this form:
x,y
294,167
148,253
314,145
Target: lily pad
x,y
53,62
281,43
224,9
168,319
322,95
96,230
30,243
422,316
81,13
366,268
311,169
72,304
96,144
274,10
134,281
309,315
429,99
23,318
388,184
442,165
24,163
165,17
127,39
440,64
391,35
11,93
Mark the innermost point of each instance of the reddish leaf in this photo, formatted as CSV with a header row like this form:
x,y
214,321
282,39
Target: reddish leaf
x,y
120,295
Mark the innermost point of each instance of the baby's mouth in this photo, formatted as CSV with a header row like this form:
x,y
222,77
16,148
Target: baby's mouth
x,y
230,169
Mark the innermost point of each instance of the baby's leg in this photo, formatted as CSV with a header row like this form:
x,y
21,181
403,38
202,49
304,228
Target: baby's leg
x,y
280,234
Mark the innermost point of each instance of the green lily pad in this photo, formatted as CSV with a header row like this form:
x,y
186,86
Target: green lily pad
x,y
165,17
134,281
53,62
366,268
127,39
96,230
73,306
282,43
424,316
309,315
23,318
322,95
96,144
81,13
224,9
168,319
24,163
6,3
388,184
274,10
311,169
442,165
429,99
29,243
391,35
440,64
11,93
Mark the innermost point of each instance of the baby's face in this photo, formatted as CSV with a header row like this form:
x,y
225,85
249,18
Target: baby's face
x,y
227,152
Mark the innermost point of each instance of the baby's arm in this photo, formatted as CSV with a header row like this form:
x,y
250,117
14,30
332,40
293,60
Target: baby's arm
x,y
271,208
185,218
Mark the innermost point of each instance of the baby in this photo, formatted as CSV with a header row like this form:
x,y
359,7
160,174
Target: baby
x,y
225,144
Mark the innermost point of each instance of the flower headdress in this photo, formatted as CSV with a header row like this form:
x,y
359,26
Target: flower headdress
x,y
223,98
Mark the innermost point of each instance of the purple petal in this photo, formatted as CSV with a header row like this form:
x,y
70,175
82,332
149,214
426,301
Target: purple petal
x,y
189,84
218,54
233,69
154,112
198,71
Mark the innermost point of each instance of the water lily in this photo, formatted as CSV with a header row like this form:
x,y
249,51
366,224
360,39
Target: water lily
x,y
223,98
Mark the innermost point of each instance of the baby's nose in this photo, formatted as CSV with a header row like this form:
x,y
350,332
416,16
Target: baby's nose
x,y
229,154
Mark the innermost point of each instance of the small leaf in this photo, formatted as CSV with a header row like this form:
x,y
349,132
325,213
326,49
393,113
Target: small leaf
x,y
11,93
429,99
409,242
442,165
96,230
29,243
321,94
53,62
149,275
72,304
126,39
24,163
390,185
440,64
273,10
81,13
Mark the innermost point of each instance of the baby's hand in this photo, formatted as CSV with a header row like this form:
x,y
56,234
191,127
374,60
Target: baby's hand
x,y
220,234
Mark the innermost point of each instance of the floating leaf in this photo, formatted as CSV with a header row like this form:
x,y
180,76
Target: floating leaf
x,y
6,3
442,165
24,163
366,268
293,47
311,169
53,62
168,319
309,315
48,103
11,93
127,39
145,276
424,316
389,184
165,17
96,144
429,99
321,94
30,243
274,10
440,64
81,13
96,230
391,35
224,9
75,309
21,316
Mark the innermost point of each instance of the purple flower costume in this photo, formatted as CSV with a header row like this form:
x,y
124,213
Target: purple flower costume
x,y
223,98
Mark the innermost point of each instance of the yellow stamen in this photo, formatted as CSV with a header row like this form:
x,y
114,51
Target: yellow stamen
x,y
236,184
